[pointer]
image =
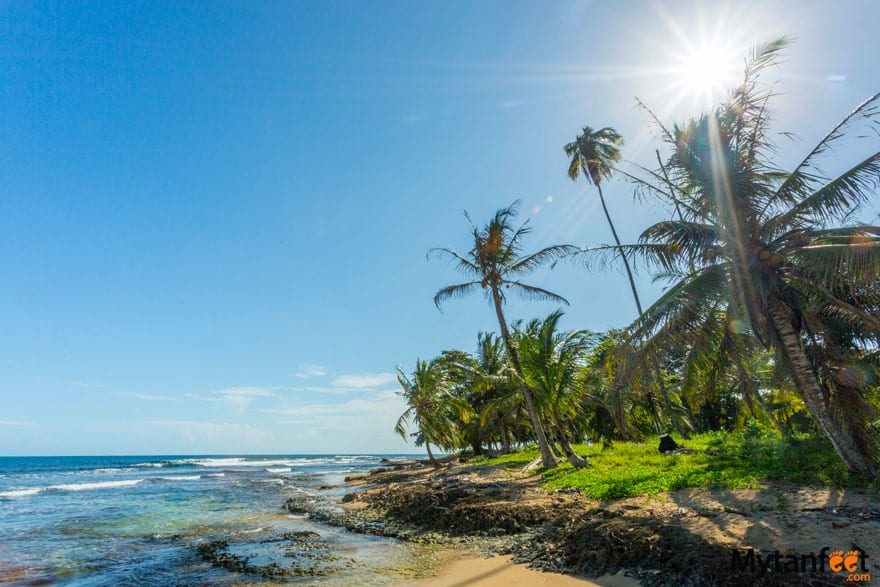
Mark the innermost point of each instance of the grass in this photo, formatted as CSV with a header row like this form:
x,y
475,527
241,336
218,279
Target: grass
x,y
748,458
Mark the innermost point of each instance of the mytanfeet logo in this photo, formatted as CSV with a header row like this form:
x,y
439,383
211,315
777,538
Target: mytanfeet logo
x,y
854,563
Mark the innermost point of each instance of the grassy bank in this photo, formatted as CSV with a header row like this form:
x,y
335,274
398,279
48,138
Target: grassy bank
x,y
746,458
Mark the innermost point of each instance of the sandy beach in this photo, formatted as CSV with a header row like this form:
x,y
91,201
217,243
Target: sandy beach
x,y
501,571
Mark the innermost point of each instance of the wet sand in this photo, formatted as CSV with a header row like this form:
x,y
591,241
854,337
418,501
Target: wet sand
x,y
500,571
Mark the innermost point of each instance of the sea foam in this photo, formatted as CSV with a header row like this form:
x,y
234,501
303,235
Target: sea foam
x,y
70,487
96,485
21,492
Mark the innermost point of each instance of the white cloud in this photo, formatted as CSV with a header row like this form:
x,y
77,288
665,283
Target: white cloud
x,y
149,397
74,383
363,380
356,422
237,398
309,371
349,384
17,424
248,391
323,389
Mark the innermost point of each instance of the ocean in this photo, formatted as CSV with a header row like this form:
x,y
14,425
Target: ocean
x,y
115,520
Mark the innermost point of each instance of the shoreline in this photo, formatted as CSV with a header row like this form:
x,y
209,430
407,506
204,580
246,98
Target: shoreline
x,y
500,571
483,512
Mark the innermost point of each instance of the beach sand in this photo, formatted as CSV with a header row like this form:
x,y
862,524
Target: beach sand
x,y
500,571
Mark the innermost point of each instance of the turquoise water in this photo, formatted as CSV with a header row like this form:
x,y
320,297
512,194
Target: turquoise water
x,y
139,520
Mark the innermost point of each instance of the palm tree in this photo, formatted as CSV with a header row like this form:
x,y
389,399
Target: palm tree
x,y
594,154
459,369
429,407
551,363
491,380
775,251
495,263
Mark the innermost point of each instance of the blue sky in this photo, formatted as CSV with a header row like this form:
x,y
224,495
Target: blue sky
x,y
214,217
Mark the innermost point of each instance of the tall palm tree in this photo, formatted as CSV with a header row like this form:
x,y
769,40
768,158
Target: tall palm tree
x,y
775,250
594,154
429,406
496,264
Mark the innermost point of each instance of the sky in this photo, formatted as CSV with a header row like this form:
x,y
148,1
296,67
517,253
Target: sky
x,y
214,217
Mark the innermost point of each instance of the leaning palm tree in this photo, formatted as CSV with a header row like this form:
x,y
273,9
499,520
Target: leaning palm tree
x,y
496,264
775,251
428,406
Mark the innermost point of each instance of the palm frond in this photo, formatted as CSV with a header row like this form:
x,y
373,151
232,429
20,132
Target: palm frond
x,y
667,192
455,291
403,422
684,302
666,134
850,314
462,264
805,173
692,237
663,255
765,55
535,260
844,264
530,292
836,198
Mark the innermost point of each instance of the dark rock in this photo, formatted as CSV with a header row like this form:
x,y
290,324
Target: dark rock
x,y
300,505
667,444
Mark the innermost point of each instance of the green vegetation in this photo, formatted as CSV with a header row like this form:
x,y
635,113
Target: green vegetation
x,y
721,460
764,348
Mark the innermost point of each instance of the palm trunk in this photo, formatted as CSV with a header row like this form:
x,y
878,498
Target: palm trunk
x,y
505,441
618,413
547,459
576,461
838,430
632,285
431,455
673,415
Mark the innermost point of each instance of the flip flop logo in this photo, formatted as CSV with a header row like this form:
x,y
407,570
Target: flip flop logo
x,y
838,561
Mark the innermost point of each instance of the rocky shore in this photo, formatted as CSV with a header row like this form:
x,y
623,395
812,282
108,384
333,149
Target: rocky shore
x,y
685,538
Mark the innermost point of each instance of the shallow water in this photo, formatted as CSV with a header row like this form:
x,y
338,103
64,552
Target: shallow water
x,y
139,520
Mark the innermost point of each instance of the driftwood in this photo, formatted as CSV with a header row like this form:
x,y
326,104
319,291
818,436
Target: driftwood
x,y
532,466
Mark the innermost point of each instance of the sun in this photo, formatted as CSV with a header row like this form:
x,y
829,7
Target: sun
x,y
706,73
